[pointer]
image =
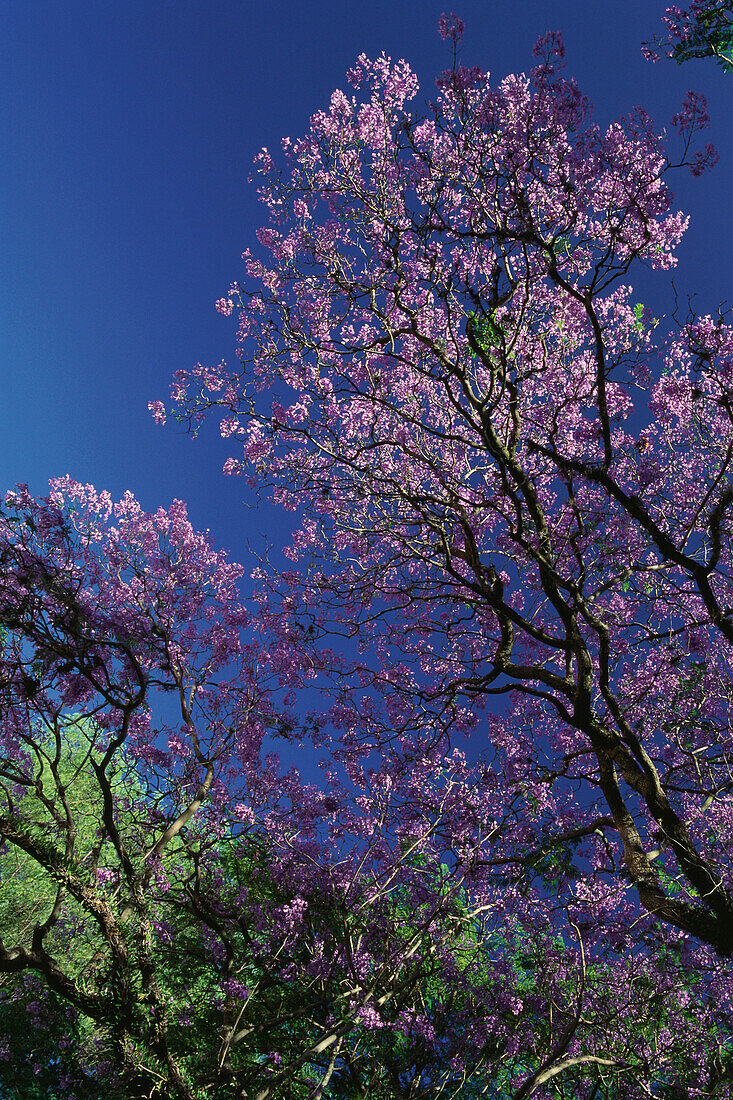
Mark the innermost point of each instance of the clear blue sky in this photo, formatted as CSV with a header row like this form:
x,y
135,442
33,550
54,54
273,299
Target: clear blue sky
x,y
127,134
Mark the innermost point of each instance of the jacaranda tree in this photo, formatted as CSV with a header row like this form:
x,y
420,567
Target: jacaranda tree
x,y
181,919
506,628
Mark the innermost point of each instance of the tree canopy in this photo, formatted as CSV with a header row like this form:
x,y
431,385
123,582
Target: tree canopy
x,y
505,625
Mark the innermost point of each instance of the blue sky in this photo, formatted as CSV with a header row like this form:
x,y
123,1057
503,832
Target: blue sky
x,y
128,130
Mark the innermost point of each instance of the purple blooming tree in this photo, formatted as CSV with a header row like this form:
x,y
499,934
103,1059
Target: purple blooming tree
x,y
156,874
506,629
102,608
456,354
181,918
516,503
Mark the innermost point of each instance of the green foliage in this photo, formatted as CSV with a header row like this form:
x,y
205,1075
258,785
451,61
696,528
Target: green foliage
x,y
482,328
241,999
711,36
47,1043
